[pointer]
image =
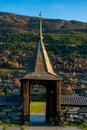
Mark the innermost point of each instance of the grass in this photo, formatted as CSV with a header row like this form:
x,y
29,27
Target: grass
x,y
11,71
37,107
22,127
82,126
6,125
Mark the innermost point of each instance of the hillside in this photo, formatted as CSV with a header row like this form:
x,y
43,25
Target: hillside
x,y
18,37
65,42
8,20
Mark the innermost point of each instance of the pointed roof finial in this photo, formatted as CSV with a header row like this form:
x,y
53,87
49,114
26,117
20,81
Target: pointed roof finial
x,y
41,37
40,14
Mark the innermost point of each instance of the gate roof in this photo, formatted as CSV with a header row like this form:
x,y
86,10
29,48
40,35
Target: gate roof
x,y
40,67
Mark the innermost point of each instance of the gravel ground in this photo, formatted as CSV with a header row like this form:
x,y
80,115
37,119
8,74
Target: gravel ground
x,y
52,128
1,127
42,128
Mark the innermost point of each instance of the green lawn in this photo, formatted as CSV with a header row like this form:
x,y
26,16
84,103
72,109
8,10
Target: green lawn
x,y
37,107
82,126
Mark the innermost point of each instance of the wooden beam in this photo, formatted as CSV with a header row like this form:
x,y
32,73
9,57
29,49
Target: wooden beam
x,y
58,92
26,102
58,103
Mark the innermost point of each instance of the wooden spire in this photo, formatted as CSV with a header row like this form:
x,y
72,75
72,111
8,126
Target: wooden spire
x,y
40,66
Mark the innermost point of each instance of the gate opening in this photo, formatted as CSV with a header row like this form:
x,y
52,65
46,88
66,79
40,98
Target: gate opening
x,y
37,104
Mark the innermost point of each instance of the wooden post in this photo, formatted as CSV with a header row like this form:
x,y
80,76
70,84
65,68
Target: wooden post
x,y
47,104
58,102
21,91
26,102
59,96
50,104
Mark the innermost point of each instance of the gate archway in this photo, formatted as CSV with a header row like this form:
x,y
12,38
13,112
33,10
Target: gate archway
x,y
41,72
53,101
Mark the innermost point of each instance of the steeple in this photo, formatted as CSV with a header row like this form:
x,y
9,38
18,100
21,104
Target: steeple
x,y
40,33
40,67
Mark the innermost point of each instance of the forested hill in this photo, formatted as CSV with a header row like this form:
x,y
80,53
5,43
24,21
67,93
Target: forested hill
x,y
8,20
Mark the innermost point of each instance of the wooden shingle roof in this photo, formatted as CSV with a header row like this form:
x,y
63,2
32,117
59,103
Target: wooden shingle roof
x,y
40,67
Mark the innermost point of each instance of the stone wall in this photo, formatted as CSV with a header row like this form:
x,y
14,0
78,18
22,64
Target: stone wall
x,y
11,114
74,114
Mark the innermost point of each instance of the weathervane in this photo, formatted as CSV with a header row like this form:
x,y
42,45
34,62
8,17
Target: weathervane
x,y
40,14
